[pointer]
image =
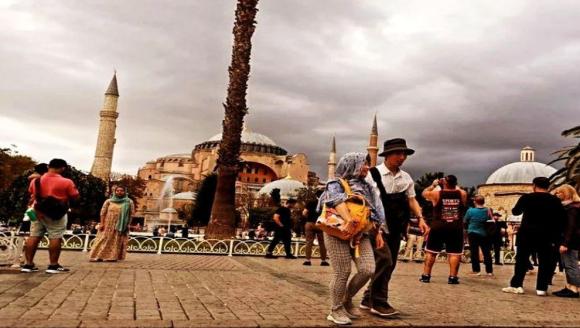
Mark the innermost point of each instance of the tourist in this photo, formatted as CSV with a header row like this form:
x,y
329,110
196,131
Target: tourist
x,y
447,226
311,215
540,231
475,219
283,223
497,238
184,231
30,214
414,238
396,190
51,194
113,235
353,168
571,240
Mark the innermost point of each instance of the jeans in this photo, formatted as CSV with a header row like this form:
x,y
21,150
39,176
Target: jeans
x,y
411,241
311,233
570,259
477,241
377,293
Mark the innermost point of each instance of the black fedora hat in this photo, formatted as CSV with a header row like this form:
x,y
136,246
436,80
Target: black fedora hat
x,y
396,145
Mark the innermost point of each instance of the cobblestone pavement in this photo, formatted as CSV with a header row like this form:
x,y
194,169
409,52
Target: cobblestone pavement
x,y
150,290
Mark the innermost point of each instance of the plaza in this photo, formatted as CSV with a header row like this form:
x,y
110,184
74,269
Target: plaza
x,y
171,290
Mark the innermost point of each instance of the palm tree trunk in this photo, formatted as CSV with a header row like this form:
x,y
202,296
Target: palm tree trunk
x,y
222,222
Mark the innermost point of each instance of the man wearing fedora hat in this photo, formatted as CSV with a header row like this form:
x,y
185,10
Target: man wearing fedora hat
x,y
396,189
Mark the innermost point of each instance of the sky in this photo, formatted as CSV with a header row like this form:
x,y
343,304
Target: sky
x,y
466,83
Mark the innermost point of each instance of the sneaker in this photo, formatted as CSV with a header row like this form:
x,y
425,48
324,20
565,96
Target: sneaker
x,y
566,293
426,278
324,263
351,311
365,305
475,273
307,263
270,256
28,268
290,257
497,263
339,317
513,290
452,280
384,311
490,275
541,293
56,269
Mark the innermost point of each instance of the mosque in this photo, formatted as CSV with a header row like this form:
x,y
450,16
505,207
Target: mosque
x,y
263,161
504,187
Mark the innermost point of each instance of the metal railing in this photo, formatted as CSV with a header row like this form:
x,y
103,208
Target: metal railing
x,y
11,246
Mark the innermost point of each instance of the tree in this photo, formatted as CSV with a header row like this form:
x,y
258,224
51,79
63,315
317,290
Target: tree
x,y
135,186
12,165
205,196
223,216
570,173
14,200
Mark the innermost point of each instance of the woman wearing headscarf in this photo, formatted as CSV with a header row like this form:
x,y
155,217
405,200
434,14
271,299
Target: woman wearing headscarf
x,y
352,167
113,234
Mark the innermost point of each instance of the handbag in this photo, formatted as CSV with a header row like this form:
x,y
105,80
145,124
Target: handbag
x,y
334,225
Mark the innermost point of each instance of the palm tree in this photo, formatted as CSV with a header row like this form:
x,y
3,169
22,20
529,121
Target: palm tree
x,y
222,222
570,173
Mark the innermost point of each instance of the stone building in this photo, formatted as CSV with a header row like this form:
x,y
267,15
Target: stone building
x,y
263,162
106,139
505,186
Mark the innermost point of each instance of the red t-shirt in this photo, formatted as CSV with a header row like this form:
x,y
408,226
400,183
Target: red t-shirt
x,y
53,184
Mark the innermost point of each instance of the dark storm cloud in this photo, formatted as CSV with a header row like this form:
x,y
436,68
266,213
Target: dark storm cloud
x,y
468,84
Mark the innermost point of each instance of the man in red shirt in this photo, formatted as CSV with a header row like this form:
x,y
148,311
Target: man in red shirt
x,y
60,191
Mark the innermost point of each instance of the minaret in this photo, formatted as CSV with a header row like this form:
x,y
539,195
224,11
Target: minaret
x,y
373,149
106,139
332,160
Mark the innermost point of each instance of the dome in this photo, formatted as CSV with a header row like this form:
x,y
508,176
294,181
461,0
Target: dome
x,y
188,195
288,187
249,137
522,172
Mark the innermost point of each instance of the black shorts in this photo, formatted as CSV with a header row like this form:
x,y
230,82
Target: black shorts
x,y
445,235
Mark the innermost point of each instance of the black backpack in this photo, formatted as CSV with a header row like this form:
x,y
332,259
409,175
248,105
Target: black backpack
x,y
51,207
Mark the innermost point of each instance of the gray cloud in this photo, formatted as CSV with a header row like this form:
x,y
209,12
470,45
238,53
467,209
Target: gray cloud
x,y
468,84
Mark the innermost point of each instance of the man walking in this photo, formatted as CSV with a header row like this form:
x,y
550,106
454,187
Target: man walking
x,y
51,194
446,228
283,220
542,225
311,231
396,189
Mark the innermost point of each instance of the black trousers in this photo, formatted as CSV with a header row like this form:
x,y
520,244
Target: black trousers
x,y
476,242
285,236
546,263
377,293
497,243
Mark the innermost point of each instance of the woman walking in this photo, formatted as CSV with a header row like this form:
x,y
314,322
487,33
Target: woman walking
x,y
112,237
475,219
352,168
571,241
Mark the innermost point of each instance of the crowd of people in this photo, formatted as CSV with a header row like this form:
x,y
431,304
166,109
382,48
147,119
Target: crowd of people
x,y
550,228
383,195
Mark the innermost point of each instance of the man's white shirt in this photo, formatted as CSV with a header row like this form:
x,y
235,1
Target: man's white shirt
x,y
394,183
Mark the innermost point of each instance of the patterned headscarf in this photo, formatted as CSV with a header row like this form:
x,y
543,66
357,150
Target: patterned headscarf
x,y
350,165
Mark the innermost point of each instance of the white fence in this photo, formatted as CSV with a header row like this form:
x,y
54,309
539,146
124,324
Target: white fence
x,y
11,247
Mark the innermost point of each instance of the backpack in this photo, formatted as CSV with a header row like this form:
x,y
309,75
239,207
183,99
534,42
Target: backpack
x,y
333,224
51,207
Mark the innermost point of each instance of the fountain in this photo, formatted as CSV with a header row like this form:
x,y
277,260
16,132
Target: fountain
x,y
168,213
